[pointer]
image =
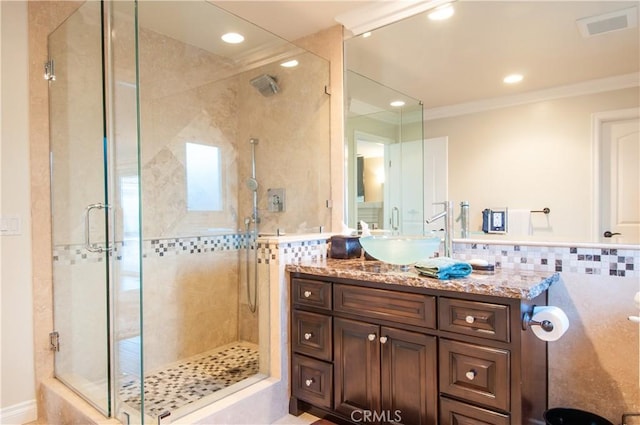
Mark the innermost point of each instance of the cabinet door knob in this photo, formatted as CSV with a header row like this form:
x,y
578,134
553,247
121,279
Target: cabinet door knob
x,y
372,337
308,336
471,375
307,294
469,319
309,381
383,340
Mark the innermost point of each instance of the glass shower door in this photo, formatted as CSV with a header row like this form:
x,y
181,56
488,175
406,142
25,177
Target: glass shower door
x,y
79,206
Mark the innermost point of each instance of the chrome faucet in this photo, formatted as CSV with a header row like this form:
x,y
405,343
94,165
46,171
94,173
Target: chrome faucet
x,y
447,214
464,219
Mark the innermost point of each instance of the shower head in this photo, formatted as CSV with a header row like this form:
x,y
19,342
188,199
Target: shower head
x,y
266,84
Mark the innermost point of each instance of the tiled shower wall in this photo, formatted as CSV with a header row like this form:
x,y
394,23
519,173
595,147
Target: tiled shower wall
x,y
191,293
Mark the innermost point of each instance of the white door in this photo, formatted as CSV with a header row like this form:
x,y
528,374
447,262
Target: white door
x,y
404,213
620,181
435,179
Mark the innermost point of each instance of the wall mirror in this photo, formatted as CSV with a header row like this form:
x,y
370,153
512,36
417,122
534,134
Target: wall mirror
x,y
564,138
384,138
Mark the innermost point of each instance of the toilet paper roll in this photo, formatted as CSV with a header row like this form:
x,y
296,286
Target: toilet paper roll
x,y
556,316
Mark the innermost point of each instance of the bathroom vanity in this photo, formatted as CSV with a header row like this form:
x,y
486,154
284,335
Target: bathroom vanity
x,y
373,343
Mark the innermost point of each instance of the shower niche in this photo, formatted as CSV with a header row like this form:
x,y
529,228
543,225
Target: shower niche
x,y
155,273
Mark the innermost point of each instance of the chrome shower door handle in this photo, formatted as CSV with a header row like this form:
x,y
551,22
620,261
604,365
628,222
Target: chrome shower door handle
x,y
88,245
395,219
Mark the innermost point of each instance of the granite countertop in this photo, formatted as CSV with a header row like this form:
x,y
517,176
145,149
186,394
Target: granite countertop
x,y
503,283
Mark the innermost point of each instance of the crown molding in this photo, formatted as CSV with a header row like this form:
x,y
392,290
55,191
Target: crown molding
x,y
579,89
383,13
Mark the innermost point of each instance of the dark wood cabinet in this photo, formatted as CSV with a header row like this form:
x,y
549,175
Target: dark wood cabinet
x,y
387,373
356,350
409,376
365,352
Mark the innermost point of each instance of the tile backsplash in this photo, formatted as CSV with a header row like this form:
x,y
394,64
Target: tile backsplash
x,y
583,260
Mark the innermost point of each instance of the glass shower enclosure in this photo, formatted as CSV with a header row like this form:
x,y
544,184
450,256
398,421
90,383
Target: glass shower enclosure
x,y
153,120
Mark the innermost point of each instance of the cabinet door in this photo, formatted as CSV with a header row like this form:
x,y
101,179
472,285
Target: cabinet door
x,y
357,367
409,377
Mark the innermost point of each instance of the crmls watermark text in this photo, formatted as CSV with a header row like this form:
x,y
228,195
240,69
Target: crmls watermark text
x,y
376,416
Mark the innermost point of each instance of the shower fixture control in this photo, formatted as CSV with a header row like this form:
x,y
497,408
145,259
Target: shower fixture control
x,y
275,198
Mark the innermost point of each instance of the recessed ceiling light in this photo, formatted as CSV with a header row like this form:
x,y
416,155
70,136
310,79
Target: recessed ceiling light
x,y
513,78
441,13
232,38
397,103
366,34
289,64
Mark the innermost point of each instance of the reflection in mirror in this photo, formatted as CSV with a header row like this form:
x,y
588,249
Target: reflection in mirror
x,y
385,173
564,138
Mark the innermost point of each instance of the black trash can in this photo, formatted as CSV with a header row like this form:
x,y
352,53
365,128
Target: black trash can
x,y
565,416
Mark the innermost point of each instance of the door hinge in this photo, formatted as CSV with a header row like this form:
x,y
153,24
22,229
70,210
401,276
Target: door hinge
x,y
54,341
50,70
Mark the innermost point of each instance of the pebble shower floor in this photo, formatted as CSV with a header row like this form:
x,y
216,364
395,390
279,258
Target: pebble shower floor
x,y
192,379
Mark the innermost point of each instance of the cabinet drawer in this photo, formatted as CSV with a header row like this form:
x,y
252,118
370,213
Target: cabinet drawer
x,y
312,381
485,320
456,413
311,334
402,307
312,293
475,373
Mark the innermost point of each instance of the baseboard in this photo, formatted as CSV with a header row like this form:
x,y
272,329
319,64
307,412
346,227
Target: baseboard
x,y
20,413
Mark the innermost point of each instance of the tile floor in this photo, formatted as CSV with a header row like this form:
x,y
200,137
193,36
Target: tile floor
x,y
192,379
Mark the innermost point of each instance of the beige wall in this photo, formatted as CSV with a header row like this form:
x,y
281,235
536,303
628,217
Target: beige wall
x,y
524,157
328,44
373,167
18,390
595,365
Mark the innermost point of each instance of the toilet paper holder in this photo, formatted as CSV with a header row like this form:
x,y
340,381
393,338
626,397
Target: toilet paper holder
x,y
527,322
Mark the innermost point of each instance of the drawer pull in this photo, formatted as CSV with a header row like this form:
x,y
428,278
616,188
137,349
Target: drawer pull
x,y
383,340
308,336
471,375
307,294
469,319
309,382
372,337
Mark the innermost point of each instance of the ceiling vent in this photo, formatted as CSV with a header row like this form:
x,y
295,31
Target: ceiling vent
x,y
608,22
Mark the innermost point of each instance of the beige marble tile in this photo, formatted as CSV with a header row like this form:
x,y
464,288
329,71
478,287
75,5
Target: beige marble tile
x,y
595,365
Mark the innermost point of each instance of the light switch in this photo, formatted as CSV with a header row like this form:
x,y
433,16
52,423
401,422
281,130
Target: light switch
x,y
10,225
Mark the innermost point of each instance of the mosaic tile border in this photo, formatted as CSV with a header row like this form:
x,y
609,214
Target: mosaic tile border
x,y
314,250
75,253
595,261
583,260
